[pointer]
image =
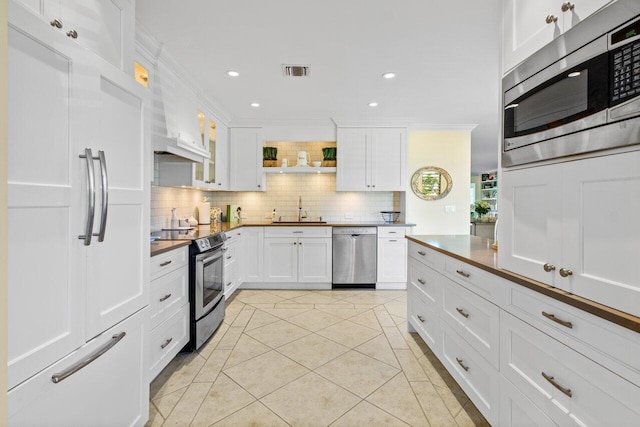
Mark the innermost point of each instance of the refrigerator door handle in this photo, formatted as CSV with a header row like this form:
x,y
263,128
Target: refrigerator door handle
x,y
91,197
105,196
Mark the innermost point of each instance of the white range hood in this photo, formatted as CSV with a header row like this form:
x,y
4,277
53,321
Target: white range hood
x,y
175,118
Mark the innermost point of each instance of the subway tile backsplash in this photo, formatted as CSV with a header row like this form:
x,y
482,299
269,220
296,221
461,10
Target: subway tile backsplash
x,y
319,199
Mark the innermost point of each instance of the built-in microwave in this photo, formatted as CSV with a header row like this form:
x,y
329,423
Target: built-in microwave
x,y
564,101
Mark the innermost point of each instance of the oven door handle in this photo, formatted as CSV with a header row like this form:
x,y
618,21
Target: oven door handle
x,y
218,254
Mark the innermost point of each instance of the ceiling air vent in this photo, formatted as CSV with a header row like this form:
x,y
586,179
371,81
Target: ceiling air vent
x,y
295,70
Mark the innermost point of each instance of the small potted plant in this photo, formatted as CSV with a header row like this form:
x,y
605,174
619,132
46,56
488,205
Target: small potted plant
x,y
329,157
269,156
482,208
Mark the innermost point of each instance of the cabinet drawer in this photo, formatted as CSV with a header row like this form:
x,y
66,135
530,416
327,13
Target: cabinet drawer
x,y
610,345
485,284
422,315
167,339
117,377
516,410
168,294
426,256
473,318
230,254
479,379
428,281
168,261
567,386
398,232
297,231
230,278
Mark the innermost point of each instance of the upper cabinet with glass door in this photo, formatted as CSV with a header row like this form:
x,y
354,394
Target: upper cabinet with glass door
x,y
107,28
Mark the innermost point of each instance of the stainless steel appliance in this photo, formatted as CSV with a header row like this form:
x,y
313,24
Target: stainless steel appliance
x,y
354,257
206,287
580,93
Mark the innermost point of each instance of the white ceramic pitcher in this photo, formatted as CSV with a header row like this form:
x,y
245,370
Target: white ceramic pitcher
x,y
303,158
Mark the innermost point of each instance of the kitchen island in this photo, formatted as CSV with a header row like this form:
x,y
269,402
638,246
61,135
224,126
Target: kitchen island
x,y
524,352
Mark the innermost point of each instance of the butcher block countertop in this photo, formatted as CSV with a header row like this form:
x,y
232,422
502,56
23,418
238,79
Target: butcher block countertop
x,y
161,246
477,251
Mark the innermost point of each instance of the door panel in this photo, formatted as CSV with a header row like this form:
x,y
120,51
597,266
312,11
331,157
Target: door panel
x,y
353,166
314,261
281,259
388,159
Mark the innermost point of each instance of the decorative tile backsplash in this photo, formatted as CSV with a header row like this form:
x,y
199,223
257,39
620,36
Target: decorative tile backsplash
x,y
319,199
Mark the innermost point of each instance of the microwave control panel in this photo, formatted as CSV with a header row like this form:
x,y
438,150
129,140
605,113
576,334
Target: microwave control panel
x,y
625,73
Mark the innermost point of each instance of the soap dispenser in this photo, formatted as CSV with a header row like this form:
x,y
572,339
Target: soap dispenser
x,y
174,219
273,215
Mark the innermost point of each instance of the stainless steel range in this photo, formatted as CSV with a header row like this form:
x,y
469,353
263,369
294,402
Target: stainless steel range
x,y
206,287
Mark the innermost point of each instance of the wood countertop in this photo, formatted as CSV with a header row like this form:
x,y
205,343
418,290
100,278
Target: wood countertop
x,y
161,246
477,251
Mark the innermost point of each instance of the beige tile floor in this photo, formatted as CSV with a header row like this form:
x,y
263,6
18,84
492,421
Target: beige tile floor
x,y
311,358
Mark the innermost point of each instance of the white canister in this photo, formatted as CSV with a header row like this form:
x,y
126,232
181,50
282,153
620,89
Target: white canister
x,y
204,215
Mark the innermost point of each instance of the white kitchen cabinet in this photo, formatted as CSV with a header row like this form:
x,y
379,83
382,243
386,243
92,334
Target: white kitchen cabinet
x,y
169,307
106,27
245,164
232,250
516,410
252,255
371,159
569,387
63,100
575,219
392,258
292,259
111,390
531,24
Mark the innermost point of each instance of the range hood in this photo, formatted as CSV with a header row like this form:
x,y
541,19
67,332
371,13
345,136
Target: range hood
x,y
175,128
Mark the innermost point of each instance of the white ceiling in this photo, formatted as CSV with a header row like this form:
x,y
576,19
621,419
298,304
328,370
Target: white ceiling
x,y
445,54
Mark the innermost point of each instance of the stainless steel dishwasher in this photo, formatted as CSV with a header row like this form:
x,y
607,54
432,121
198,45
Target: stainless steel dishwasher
x,y
354,257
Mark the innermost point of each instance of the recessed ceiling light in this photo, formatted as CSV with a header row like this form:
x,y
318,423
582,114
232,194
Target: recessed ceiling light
x,y
574,74
232,73
389,75
255,104
373,104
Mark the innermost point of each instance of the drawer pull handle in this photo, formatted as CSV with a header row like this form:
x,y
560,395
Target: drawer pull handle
x,y
548,267
462,273
166,343
115,339
420,318
555,319
462,313
298,232
164,264
392,232
394,240
229,257
422,282
166,297
466,368
228,284
566,391
422,253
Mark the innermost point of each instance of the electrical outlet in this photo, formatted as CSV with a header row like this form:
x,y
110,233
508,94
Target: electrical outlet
x,y
449,209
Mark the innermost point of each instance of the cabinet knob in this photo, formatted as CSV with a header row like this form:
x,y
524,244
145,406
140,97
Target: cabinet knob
x,y
567,6
565,272
551,19
73,34
56,23
549,267
259,186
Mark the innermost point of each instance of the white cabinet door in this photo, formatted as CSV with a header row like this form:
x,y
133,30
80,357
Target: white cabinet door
x,y
117,268
530,222
601,231
221,179
580,11
252,254
392,260
314,260
246,160
112,390
280,259
45,95
526,29
388,159
106,27
353,160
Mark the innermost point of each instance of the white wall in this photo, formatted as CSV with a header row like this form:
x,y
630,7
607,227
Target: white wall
x,y
450,150
3,213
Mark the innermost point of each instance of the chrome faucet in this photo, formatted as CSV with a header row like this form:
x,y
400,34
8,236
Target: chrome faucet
x,y
300,216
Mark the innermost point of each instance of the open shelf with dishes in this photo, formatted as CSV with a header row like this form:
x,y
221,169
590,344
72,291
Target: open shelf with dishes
x,y
489,189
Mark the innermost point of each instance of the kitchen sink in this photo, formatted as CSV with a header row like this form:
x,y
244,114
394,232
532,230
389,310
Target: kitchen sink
x,y
298,222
